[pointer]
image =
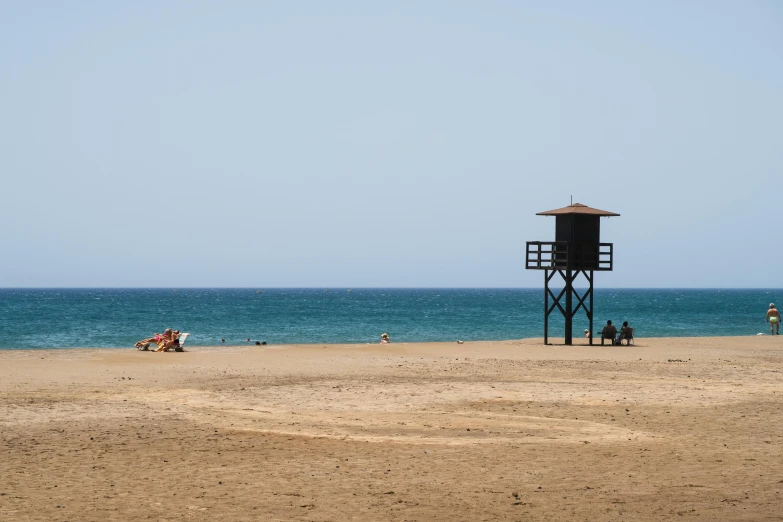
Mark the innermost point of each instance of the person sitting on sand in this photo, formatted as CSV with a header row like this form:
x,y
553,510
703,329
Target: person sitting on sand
x,y
164,338
144,344
609,332
626,332
170,340
175,341
587,333
156,338
385,338
773,318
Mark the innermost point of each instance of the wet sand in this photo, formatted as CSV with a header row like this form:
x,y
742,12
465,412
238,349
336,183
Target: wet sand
x,y
669,429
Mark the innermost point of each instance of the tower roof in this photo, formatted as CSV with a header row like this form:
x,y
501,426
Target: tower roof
x,y
577,208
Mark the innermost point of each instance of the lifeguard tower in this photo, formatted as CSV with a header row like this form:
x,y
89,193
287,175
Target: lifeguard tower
x,y
577,249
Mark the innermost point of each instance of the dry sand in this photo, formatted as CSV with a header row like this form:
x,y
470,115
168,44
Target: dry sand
x,y
669,429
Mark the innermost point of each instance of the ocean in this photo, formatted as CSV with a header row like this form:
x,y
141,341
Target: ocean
x,y
116,318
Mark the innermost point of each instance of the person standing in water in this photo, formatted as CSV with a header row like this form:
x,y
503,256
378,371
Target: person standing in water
x,y
773,318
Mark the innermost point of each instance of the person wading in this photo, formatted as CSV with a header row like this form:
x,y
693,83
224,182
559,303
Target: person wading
x,y
773,318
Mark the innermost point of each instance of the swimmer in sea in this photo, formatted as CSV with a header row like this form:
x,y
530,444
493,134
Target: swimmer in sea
x,y
773,318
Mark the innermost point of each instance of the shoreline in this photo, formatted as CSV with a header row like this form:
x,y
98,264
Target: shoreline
x,y
529,341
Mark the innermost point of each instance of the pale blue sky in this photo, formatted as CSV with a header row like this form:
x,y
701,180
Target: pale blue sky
x,y
376,144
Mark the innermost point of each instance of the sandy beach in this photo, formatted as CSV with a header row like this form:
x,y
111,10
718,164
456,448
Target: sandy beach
x,y
668,429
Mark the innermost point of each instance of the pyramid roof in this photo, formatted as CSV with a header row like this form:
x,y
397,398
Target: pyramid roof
x,y
577,208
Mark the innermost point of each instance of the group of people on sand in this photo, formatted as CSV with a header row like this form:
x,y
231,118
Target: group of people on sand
x,y
169,339
166,341
626,332
611,333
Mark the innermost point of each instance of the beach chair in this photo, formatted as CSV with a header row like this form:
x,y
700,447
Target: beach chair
x,y
628,336
182,338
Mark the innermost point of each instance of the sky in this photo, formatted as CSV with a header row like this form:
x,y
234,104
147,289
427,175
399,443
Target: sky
x,y
386,144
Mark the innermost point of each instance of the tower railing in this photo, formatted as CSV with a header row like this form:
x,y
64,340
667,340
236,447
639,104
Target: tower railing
x,y
556,255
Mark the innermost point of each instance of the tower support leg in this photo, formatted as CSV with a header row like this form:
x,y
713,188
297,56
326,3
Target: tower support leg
x,y
590,312
546,306
569,315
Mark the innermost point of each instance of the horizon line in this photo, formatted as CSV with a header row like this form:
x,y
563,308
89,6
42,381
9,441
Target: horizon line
x,y
373,288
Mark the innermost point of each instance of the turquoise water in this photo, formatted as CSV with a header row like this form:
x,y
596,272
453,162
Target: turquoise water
x,y
62,318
